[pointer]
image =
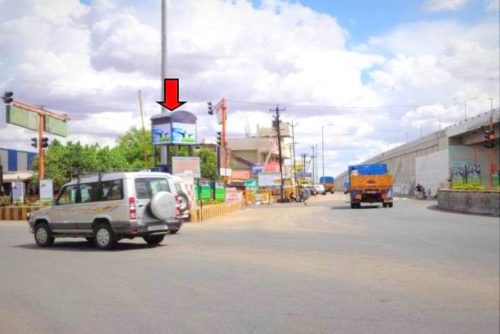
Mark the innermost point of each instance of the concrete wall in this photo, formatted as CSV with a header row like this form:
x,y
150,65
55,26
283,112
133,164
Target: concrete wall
x,y
401,161
464,141
485,202
432,171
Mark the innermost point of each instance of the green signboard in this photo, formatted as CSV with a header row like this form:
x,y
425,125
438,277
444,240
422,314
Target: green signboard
x,y
56,126
21,117
203,191
220,192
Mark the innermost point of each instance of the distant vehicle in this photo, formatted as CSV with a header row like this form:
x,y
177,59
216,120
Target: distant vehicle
x,y
320,189
370,184
309,185
183,200
104,208
328,182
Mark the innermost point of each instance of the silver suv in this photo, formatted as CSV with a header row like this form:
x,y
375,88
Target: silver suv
x,y
105,208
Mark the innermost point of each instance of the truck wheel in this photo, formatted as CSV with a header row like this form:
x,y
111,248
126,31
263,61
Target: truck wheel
x,y
353,206
390,204
384,205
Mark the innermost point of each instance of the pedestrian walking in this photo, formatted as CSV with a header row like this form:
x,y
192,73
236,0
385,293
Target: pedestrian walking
x,y
306,193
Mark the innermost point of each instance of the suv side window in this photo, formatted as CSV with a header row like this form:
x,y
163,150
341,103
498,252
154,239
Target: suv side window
x,y
146,188
68,195
112,190
89,192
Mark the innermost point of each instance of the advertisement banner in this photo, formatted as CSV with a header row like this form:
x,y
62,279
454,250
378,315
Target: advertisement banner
x,y
183,165
233,195
46,191
161,133
18,192
240,174
183,133
269,179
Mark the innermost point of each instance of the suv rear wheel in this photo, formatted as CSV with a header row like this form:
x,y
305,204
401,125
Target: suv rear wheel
x,y
43,235
154,240
104,237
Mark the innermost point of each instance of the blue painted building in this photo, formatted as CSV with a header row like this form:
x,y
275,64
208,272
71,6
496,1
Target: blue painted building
x,y
16,161
16,166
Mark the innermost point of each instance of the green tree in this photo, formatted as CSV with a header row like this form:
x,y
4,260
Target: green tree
x,y
208,162
62,161
131,146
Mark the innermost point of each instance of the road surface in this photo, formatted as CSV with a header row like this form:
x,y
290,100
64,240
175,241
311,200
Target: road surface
x,y
290,268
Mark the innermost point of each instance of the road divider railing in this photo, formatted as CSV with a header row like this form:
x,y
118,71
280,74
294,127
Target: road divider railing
x,y
17,212
214,210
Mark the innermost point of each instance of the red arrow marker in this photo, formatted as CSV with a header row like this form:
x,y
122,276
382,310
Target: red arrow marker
x,y
171,95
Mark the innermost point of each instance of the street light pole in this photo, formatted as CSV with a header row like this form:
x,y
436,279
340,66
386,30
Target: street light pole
x,y
323,150
277,111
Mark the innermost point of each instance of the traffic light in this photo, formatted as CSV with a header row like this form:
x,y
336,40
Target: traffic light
x,y
489,138
210,108
45,142
219,138
34,142
7,97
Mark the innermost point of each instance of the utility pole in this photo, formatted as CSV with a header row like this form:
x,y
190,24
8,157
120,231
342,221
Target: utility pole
x,y
277,111
304,156
163,44
313,157
293,125
490,151
144,139
465,109
323,150
164,149
41,151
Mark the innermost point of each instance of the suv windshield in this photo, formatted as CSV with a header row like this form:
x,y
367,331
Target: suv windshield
x,y
148,187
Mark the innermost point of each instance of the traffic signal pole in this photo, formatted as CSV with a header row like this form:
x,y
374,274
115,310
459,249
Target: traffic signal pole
x,y
41,151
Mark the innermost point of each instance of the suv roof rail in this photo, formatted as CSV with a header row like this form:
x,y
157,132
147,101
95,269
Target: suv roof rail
x,y
77,173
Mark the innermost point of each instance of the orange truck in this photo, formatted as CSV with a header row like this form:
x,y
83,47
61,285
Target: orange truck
x,y
370,184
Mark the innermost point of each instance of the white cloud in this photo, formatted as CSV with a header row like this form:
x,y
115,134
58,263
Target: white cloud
x,y
90,61
493,6
439,5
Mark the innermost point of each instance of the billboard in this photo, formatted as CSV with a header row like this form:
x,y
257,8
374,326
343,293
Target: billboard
x,y
183,133
182,165
46,191
21,117
161,133
269,179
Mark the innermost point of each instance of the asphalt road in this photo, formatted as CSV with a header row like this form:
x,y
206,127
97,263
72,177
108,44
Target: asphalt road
x,y
324,268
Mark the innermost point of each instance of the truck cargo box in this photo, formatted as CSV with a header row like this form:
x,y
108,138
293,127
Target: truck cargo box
x,y
370,182
372,169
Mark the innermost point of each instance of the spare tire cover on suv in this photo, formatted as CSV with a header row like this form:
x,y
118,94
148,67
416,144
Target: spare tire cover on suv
x,y
163,205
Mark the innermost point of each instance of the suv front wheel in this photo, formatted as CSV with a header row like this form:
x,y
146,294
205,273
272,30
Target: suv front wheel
x,y
43,235
104,237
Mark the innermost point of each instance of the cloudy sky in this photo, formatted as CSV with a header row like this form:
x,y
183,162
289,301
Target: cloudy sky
x,y
378,71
